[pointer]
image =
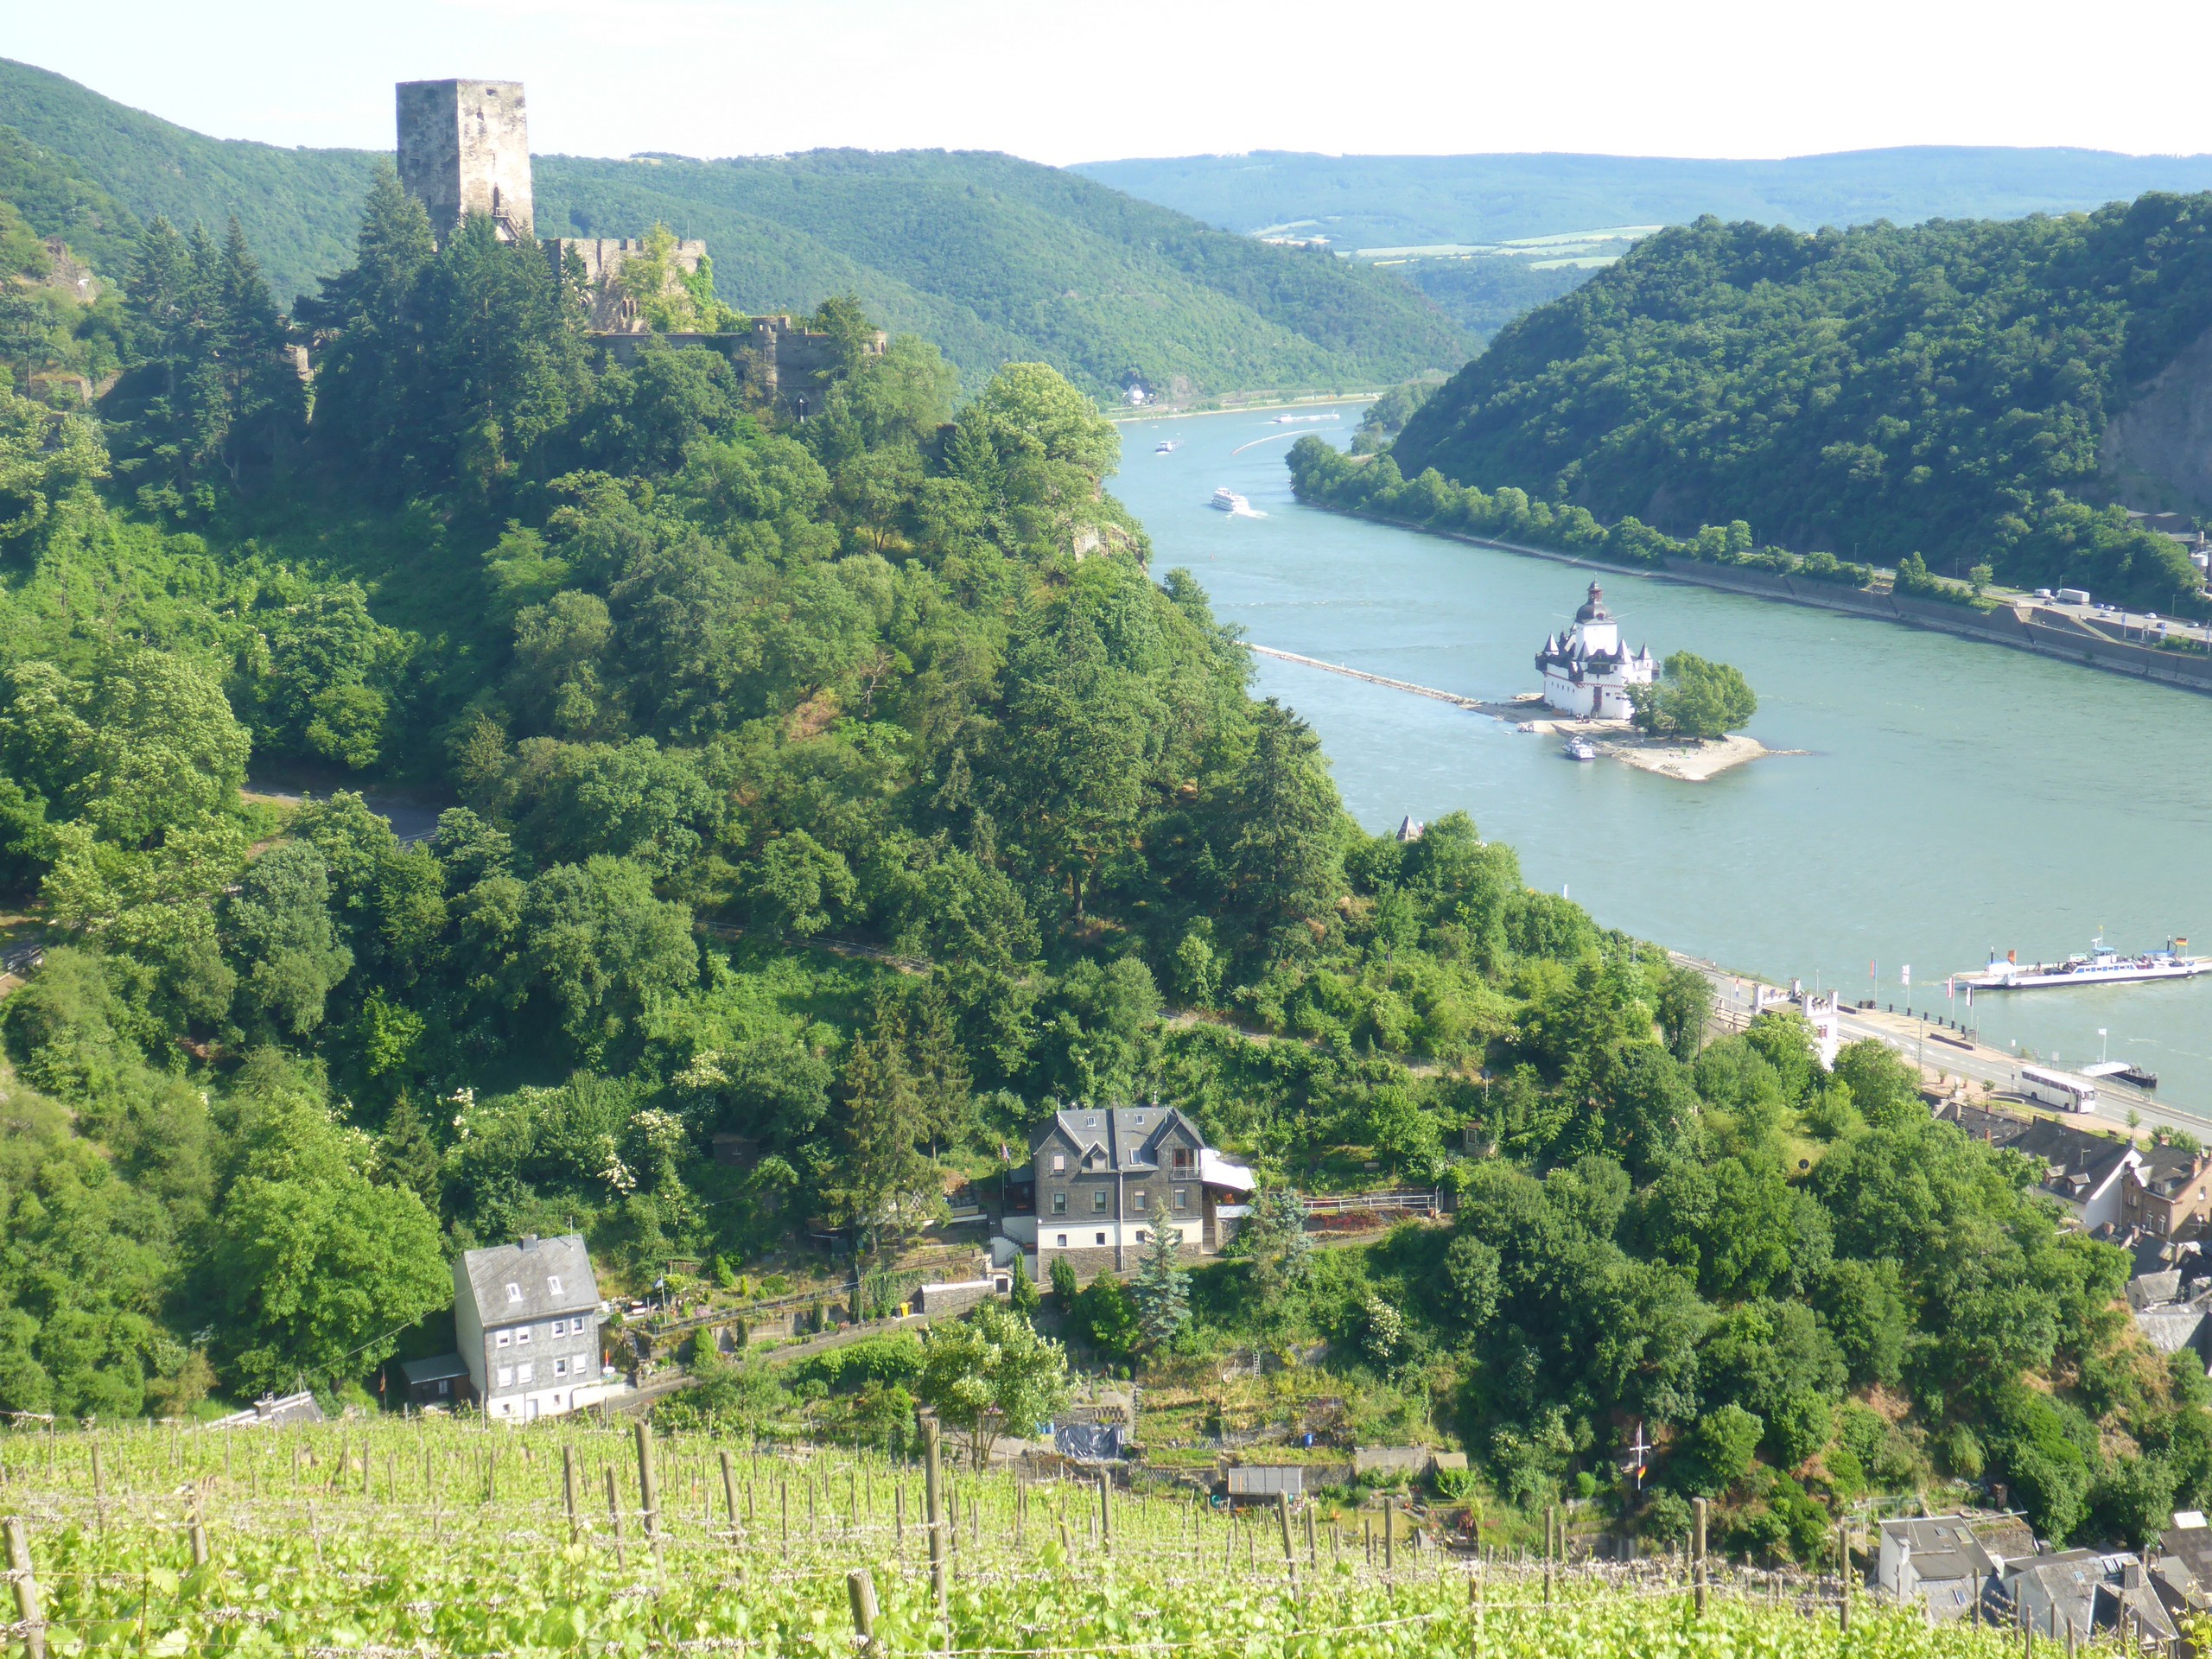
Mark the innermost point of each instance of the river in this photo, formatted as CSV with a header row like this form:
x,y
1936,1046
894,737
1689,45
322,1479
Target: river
x,y
1953,797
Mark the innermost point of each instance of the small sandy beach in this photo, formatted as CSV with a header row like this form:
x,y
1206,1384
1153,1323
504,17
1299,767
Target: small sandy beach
x,y
1694,763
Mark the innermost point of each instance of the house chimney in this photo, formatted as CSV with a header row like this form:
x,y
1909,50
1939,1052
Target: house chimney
x,y
530,1241
2130,1577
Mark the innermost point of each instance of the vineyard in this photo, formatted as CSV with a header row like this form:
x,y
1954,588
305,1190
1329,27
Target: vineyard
x,y
440,1538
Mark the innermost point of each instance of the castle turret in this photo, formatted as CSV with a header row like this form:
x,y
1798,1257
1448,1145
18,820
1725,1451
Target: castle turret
x,y
464,148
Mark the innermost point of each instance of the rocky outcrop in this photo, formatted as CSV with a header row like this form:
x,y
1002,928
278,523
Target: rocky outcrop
x,y
2157,453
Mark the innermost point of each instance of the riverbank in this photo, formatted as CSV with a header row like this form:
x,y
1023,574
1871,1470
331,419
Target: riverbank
x,y
1234,403
2027,627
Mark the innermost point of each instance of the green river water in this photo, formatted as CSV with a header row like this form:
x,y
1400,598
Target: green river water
x,y
1953,798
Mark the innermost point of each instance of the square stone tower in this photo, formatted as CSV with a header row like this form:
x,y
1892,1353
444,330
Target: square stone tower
x,y
464,148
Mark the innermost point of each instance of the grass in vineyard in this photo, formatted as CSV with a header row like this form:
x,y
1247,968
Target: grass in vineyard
x,y
438,1538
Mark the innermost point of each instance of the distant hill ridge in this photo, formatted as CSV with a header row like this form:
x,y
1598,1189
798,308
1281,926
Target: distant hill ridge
x,y
992,257
1380,201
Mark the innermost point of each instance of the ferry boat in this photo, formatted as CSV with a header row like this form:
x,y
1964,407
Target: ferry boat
x,y
1228,501
2099,965
2125,1071
1581,748
1168,446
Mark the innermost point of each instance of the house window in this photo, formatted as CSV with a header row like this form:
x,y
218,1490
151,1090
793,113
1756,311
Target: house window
x,y
1137,1118
560,1367
553,1284
1097,1198
1140,1239
507,1376
1102,1238
522,1336
514,1293
523,1371
1059,1204
1060,1242
1059,1163
1182,1159
1142,1200
1092,1121
1182,1198
504,1337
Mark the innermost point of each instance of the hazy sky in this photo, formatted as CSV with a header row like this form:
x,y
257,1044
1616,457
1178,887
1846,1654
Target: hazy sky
x,y
1058,82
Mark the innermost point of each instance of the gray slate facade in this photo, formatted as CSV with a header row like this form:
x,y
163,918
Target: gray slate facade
x,y
526,1323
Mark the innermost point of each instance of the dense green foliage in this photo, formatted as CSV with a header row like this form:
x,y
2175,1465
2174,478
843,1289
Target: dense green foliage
x,y
1482,295
1736,1253
1942,389
1397,201
991,258
1694,699
888,701
1368,481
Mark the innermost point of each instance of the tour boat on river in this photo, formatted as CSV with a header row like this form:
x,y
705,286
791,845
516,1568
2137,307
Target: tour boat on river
x,y
1228,501
2100,965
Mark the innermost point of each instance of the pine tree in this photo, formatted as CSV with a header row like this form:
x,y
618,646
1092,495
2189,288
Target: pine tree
x,y
264,401
369,336
947,1089
882,1175
1161,1290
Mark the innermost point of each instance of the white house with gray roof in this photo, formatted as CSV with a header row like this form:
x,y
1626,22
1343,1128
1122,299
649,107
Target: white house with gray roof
x,y
526,1324
1101,1179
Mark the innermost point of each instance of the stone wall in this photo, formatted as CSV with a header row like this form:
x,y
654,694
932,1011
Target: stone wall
x,y
464,148
782,361
603,258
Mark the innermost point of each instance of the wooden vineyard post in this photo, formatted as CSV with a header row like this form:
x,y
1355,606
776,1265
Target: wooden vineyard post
x,y
648,1480
933,1478
1105,1512
196,1532
1389,1534
568,1489
1843,1577
614,1519
1697,1547
898,1517
1282,1514
1551,1520
860,1590
1313,1549
729,1493
27,1602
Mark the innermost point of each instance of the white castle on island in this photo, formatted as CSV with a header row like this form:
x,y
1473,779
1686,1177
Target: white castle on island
x,y
1587,672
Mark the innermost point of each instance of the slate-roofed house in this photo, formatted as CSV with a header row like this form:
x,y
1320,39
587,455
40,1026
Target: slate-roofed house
x,y
2058,1592
1947,1563
526,1321
2169,1190
1101,1178
2086,1173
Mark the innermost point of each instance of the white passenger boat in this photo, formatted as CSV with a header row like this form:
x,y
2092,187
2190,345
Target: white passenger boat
x,y
1228,501
1581,748
2099,965
1168,446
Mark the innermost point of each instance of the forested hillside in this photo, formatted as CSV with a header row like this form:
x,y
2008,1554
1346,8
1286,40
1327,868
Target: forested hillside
x,y
1415,201
851,785
991,258
1943,390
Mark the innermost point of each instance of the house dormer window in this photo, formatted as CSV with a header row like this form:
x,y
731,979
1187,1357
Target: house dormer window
x,y
1137,1118
553,1284
1090,1122
514,1293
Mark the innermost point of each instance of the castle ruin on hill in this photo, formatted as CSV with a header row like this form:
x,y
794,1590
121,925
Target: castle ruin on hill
x,y
464,150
